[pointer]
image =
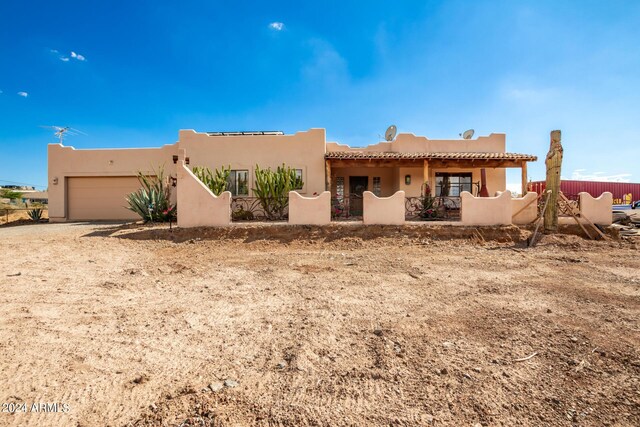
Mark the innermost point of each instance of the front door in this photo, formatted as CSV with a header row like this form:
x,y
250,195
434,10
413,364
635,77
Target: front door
x,y
357,186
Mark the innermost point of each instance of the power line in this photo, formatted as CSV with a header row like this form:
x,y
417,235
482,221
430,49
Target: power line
x,y
21,183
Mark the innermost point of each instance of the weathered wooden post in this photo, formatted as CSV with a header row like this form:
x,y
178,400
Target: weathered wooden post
x,y
554,164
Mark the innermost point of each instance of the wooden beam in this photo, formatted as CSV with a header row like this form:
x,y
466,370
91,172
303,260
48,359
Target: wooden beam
x,y
327,175
425,173
411,163
524,178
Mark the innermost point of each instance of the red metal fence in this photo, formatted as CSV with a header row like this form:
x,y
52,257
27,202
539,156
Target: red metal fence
x,y
620,190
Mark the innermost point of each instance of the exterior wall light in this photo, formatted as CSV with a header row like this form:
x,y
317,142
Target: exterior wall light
x,y
55,181
174,181
407,179
186,160
175,159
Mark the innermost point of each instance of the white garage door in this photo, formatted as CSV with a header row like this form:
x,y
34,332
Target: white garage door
x,y
100,198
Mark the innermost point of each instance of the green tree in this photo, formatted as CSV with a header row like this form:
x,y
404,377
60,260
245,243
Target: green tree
x,y
6,193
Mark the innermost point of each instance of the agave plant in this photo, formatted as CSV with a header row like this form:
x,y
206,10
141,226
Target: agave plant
x,y
216,181
272,189
152,200
35,214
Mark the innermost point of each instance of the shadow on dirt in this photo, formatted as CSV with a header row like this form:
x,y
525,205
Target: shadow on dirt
x,y
284,233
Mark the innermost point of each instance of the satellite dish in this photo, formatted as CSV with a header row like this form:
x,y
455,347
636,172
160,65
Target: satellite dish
x,y
390,134
468,134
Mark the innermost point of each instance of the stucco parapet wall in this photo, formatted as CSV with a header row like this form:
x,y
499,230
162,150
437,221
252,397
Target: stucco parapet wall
x,y
197,205
69,161
309,210
524,210
486,210
597,210
408,143
384,210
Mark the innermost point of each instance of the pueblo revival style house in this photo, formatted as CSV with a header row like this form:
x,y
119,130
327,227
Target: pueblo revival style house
x,y
92,184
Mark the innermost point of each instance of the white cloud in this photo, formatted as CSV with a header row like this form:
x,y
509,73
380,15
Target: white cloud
x,y
77,56
67,58
277,26
23,94
583,175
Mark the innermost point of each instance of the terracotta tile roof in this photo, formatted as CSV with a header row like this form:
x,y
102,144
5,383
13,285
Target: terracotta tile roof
x,y
382,155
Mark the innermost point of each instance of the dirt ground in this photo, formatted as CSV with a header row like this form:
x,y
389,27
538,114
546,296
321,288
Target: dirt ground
x,y
299,326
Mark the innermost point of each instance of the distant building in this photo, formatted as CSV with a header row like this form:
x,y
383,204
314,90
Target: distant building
x,y
35,197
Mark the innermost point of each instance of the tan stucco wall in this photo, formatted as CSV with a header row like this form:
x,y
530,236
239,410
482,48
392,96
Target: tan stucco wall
x,y
197,205
597,210
410,143
383,210
65,162
486,210
309,210
302,150
525,214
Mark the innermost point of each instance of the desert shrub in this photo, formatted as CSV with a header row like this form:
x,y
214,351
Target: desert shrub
x,y
216,181
428,207
153,200
35,214
272,189
242,215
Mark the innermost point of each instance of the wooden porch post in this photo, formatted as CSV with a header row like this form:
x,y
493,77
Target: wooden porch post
x,y
425,173
327,175
524,178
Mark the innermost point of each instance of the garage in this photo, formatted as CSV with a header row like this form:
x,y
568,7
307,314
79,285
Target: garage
x,y
100,198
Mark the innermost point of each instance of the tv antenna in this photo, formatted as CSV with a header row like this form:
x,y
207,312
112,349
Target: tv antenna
x,y
468,134
390,134
62,132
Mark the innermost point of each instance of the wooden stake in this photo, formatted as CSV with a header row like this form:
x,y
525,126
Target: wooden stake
x,y
532,242
554,165
575,213
526,206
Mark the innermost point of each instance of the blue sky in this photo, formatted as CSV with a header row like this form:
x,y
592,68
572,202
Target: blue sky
x,y
132,73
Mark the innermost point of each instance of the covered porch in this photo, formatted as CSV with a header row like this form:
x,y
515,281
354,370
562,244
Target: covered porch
x,y
446,175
